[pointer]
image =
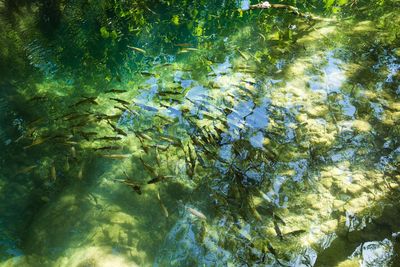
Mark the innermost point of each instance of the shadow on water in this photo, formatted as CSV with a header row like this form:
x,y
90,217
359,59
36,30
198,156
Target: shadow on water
x,y
377,229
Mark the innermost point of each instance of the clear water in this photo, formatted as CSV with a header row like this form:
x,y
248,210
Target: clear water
x,y
199,133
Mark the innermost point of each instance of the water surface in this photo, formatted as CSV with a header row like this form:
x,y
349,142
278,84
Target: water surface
x,y
199,133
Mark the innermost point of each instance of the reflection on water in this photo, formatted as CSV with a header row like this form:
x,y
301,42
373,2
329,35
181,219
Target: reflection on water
x,y
231,146
375,253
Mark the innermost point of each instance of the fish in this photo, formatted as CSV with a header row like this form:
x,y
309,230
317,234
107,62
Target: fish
x,y
36,142
111,117
144,146
29,133
76,116
108,148
120,108
214,85
137,49
147,107
159,178
109,138
164,105
192,155
209,137
35,121
60,136
278,219
116,129
150,169
130,110
66,115
182,51
87,135
163,208
199,102
273,252
160,147
94,198
116,156
295,232
145,136
71,142
53,173
142,136
201,161
174,101
135,187
171,140
87,120
158,158
243,54
255,213
197,213
249,82
119,101
73,152
190,163
146,73
37,98
203,232
206,97
80,172
66,165
196,141
146,7
187,50
99,115
25,169
86,100
246,90
80,124
164,93
183,44
278,230
164,118
165,65
265,196
247,70
189,170
271,249
115,91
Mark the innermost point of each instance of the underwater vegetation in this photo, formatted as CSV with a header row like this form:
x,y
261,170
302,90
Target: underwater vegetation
x,y
199,133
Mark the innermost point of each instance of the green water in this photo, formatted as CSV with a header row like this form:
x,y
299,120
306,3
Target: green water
x,y
199,133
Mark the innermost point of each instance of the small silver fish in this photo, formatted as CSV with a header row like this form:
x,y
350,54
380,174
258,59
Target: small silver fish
x,y
137,49
53,173
116,156
163,208
73,152
66,165
197,213
80,172
25,169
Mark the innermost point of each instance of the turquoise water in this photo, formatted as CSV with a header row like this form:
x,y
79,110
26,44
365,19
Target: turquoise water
x,y
199,133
